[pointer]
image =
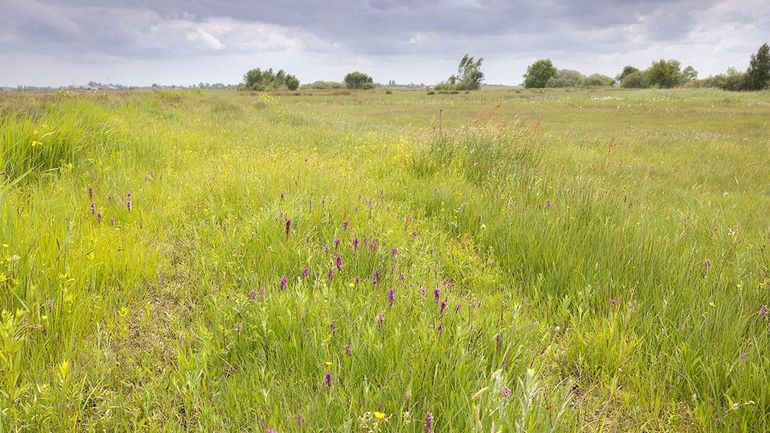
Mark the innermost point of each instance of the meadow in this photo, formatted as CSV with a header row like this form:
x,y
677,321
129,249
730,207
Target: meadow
x,y
501,261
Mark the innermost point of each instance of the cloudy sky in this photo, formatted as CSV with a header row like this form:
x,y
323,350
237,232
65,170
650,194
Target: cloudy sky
x,y
140,42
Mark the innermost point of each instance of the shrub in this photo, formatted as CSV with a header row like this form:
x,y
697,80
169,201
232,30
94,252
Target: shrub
x,y
539,73
565,78
257,79
597,80
634,80
358,80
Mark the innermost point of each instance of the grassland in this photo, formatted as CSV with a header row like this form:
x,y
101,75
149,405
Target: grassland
x,y
503,260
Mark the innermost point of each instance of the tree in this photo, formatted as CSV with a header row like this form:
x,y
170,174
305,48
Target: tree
x,y
634,80
689,74
257,79
469,75
628,70
539,73
758,74
598,80
664,74
565,78
358,80
292,82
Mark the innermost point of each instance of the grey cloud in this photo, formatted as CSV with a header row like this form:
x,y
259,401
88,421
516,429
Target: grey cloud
x,y
163,30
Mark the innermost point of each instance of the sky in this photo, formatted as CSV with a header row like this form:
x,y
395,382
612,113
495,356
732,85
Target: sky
x,y
183,42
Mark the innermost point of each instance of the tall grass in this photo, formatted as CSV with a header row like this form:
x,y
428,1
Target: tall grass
x,y
539,282
61,135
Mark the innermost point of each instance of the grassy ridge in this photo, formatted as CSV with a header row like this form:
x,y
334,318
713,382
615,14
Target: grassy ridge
x,y
542,279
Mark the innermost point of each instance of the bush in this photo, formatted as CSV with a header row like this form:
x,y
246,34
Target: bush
x,y
358,80
323,85
598,80
539,73
257,79
634,80
664,74
565,78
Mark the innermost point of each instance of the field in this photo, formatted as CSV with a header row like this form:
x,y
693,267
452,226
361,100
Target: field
x,y
503,260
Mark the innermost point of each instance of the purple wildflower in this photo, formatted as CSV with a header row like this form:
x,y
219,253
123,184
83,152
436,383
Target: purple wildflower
x,y
414,234
440,328
336,244
744,357
442,307
764,312
355,243
348,350
261,292
380,319
345,225
373,244
288,226
92,207
393,252
284,281
90,192
391,296
507,392
357,280
300,420
548,203
429,423
499,340
129,201
306,271
99,217
457,308
436,293
252,294
270,430
328,379
330,274
333,326
338,262
238,328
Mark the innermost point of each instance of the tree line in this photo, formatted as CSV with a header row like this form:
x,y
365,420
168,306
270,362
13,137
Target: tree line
x,y
663,74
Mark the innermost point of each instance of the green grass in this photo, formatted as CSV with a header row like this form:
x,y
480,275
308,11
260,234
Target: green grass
x,y
603,256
